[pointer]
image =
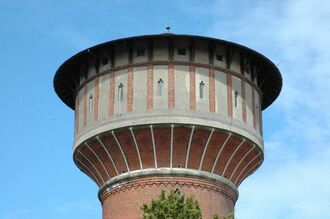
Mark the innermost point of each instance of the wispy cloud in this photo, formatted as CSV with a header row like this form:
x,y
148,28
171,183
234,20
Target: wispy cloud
x,y
293,181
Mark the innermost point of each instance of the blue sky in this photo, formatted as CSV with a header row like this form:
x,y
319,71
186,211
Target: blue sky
x,y
38,177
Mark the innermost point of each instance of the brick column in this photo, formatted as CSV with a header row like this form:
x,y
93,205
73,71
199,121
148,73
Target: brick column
x,y
212,89
130,89
171,96
112,93
96,99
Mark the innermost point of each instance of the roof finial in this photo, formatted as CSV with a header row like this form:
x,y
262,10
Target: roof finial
x,y
168,26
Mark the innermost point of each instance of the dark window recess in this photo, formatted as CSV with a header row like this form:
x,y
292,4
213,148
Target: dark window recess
x,y
105,61
201,90
120,92
219,58
236,98
181,51
140,52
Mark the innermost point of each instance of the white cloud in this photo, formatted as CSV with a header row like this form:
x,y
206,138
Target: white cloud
x,y
293,181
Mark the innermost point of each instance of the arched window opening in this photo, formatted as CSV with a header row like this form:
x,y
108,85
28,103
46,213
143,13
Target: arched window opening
x,y
120,92
90,103
236,98
201,90
160,86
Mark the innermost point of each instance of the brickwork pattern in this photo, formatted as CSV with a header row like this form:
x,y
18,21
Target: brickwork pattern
x,y
213,198
228,156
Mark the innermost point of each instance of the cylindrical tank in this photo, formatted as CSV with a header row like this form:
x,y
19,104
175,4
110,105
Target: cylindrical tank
x,y
163,112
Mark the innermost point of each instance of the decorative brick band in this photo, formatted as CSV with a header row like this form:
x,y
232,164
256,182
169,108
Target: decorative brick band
x,y
192,87
171,182
112,93
96,99
85,107
171,96
212,89
130,90
150,87
184,63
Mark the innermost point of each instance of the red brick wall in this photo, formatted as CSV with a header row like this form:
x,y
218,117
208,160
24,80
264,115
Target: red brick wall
x,y
126,201
130,90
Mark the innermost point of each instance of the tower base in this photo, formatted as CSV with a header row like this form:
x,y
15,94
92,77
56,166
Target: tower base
x,y
124,200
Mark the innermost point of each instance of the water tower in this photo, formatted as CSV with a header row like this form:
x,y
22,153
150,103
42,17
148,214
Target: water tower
x,y
163,112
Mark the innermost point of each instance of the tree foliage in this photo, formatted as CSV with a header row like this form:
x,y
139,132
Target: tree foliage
x,y
172,206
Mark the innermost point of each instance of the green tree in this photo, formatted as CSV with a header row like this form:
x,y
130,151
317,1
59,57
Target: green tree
x,y
172,206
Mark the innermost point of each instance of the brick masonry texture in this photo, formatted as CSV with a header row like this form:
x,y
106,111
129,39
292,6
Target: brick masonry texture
x,y
212,198
233,163
212,89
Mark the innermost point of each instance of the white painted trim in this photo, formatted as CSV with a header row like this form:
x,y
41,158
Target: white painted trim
x,y
231,157
205,148
220,151
98,173
153,145
113,163
189,144
90,174
246,167
246,175
239,163
136,147
121,150
119,180
97,157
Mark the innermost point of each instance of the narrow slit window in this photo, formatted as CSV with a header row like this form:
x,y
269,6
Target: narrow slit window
x,y
181,51
120,92
219,57
140,52
90,103
160,86
105,61
236,98
201,90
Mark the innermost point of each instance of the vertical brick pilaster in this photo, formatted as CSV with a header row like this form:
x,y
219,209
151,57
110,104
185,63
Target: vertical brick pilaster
x,y
192,87
112,94
253,109
77,114
229,96
150,87
85,107
212,89
96,99
130,90
171,96
243,101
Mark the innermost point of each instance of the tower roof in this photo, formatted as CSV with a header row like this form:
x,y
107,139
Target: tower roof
x,y
68,74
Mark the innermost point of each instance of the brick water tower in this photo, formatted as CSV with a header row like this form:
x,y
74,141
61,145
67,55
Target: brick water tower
x,y
166,112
